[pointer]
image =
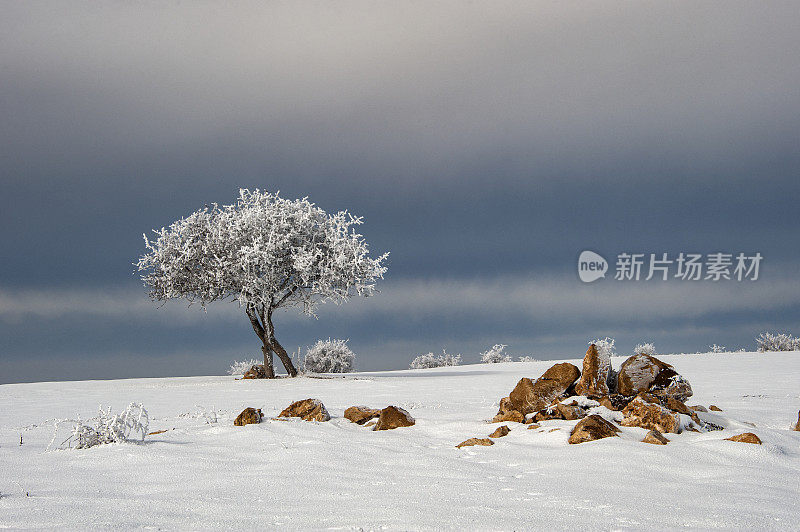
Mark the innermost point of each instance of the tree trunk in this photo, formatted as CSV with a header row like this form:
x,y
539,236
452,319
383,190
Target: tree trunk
x,y
268,360
277,347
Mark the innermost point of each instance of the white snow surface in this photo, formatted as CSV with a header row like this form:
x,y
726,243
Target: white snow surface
x,y
204,472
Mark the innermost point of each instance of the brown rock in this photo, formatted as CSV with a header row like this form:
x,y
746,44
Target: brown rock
x,y
592,428
533,426
255,372
614,401
797,425
699,408
361,414
475,441
715,408
393,417
508,413
642,373
547,414
307,410
677,406
640,413
594,377
570,412
746,437
528,397
249,416
500,431
655,437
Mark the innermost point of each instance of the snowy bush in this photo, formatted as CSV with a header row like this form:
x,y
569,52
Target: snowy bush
x,y
777,342
329,356
430,360
645,349
239,368
714,348
605,348
130,425
528,358
495,354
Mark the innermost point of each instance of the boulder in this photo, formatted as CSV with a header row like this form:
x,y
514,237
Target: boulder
x,y
614,401
797,425
594,377
500,431
255,372
655,437
475,441
745,437
699,408
528,396
361,414
570,412
645,373
592,428
307,410
715,408
249,416
650,415
508,413
393,417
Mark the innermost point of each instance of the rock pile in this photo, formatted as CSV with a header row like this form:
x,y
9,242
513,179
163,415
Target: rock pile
x,y
648,393
256,372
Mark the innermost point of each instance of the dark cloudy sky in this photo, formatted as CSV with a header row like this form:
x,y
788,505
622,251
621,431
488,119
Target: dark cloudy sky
x,y
486,144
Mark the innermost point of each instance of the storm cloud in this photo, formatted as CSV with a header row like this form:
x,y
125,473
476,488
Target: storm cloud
x,y
485,144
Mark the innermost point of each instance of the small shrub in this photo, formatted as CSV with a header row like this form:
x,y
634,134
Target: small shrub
x,y
528,358
605,348
777,342
329,356
430,360
130,425
714,348
239,368
645,349
495,355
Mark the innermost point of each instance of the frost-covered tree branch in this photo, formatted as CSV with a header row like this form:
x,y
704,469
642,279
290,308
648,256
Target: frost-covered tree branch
x,y
265,252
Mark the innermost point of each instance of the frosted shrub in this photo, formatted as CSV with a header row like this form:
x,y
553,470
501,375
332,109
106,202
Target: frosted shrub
x,y
777,342
495,354
528,358
605,348
645,349
329,356
130,425
714,348
435,361
239,368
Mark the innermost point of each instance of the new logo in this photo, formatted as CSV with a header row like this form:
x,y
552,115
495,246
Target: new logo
x,y
591,266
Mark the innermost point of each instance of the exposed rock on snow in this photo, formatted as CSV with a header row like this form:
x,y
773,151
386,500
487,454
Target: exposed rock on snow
x,y
656,438
699,408
645,373
592,428
797,425
745,437
475,441
570,412
393,417
507,412
500,431
528,396
255,372
594,378
715,408
307,410
650,415
361,414
249,416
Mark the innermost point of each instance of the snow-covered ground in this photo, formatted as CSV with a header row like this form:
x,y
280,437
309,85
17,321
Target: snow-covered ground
x,y
203,473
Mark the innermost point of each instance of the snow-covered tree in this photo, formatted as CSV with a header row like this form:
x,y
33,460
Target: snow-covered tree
x,y
266,253
647,348
777,342
329,356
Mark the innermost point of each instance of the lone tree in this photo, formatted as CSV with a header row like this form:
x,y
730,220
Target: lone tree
x,y
266,253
